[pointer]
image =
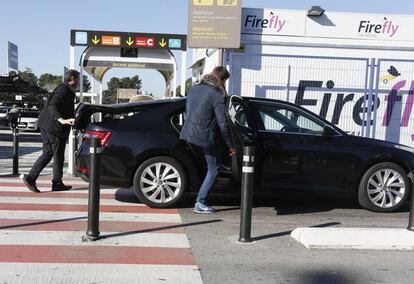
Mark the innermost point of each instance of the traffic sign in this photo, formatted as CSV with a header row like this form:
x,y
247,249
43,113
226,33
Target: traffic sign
x,y
128,39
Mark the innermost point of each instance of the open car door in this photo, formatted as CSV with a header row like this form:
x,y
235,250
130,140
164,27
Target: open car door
x,y
243,130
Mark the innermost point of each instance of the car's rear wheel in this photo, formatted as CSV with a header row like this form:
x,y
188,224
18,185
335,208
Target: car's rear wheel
x,y
384,187
160,182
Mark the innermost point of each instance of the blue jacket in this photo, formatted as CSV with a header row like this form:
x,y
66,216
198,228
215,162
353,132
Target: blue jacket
x,y
206,118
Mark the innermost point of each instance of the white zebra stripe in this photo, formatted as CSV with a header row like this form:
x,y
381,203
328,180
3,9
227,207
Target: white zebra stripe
x,y
103,216
98,273
66,201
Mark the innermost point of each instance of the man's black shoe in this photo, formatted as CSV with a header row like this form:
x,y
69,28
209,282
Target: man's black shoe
x,y
31,184
60,187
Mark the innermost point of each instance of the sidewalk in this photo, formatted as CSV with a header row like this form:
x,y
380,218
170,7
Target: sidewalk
x,y
41,234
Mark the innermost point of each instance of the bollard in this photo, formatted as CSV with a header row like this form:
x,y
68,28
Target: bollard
x,y
247,194
411,216
74,150
15,150
92,233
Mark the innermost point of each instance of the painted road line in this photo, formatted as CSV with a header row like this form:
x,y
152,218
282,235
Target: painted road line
x,y
62,238
55,195
95,254
57,215
98,273
74,224
73,201
84,208
22,188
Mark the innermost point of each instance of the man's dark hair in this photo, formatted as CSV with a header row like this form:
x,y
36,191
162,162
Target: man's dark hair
x,y
221,72
69,74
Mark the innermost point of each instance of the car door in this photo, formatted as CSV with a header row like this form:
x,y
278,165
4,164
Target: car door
x,y
299,151
244,131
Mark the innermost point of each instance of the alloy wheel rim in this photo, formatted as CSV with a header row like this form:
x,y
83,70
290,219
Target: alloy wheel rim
x,y
160,182
386,188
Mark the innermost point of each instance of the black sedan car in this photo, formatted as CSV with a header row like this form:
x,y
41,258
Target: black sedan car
x,y
296,151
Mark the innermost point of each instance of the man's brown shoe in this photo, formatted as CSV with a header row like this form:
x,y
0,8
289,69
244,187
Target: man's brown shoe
x,y
31,184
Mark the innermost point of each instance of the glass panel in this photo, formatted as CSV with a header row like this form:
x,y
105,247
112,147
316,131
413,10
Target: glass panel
x,y
277,117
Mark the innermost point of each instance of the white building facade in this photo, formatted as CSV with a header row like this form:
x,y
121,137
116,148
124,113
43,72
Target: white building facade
x,y
355,70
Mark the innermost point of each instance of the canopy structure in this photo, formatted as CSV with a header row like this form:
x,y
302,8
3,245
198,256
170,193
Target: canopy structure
x,y
12,86
97,61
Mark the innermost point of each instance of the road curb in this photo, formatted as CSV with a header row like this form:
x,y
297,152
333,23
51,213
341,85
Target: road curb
x,y
355,238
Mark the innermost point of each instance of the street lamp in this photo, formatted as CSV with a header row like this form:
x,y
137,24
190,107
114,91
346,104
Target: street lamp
x,y
315,11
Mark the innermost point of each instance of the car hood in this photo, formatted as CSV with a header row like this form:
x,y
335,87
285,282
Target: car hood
x,y
363,141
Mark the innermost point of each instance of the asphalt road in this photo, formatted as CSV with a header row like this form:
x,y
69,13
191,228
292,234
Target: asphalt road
x,y
275,257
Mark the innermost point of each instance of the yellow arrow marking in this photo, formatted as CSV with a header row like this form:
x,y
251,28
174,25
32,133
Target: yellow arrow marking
x,y
162,42
129,41
95,40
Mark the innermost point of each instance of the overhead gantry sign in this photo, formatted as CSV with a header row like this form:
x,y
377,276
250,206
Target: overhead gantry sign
x,y
128,40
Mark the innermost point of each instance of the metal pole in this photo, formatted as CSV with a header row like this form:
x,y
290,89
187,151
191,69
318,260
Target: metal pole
x,y
15,151
183,72
411,216
92,234
247,194
74,149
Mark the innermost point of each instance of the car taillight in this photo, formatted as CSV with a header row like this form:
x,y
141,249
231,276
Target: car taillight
x,y
102,135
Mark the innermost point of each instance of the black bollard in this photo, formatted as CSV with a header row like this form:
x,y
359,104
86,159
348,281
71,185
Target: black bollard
x,y
74,150
92,234
247,194
15,150
411,216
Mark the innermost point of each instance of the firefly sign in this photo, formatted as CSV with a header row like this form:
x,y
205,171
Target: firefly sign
x,y
130,40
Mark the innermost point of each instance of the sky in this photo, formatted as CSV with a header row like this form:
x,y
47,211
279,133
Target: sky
x,y
41,28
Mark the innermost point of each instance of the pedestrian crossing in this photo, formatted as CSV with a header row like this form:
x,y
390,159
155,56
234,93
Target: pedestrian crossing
x,y
41,238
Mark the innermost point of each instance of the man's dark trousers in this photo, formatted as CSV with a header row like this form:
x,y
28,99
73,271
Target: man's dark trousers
x,y
53,146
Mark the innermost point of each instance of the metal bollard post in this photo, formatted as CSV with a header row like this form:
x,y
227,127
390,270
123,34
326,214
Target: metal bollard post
x,y
74,149
247,194
15,150
92,233
411,216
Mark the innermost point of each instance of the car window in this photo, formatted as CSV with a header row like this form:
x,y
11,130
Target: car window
x,y
277,117
238,112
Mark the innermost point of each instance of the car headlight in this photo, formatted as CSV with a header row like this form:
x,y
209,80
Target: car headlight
x,y
405,148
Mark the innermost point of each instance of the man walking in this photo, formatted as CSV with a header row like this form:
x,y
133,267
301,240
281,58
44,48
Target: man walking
x,y
54,122
206,126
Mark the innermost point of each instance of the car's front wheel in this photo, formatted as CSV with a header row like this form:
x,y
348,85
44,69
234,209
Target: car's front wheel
x,y
160,182
384,188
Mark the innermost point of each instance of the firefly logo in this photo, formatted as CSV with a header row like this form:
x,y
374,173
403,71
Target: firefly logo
x,y
274,22
386,28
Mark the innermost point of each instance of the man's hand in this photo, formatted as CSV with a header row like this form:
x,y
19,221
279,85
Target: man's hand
x,y
232,151
69,121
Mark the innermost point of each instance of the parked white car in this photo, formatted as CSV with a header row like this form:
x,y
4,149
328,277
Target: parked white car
x,y
28,120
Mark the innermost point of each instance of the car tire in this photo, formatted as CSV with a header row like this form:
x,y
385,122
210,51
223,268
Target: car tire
x,y
160,182
384,187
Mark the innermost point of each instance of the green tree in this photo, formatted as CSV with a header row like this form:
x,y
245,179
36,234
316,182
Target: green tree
x,y
188,84
50,81
109,96
86,84
28,76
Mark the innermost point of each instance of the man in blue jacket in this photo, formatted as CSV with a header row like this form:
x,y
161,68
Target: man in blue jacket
x,y
206,126
54,122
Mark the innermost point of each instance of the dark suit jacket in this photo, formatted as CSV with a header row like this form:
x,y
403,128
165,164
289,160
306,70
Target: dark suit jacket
x,y
60,104
206,123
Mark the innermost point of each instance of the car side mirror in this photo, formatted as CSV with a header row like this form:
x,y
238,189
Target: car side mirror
x,y
328,131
